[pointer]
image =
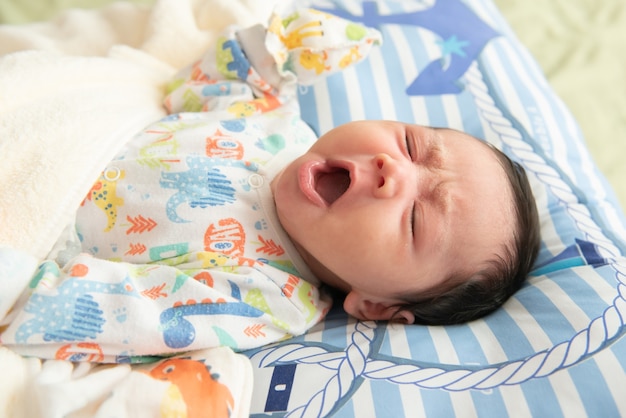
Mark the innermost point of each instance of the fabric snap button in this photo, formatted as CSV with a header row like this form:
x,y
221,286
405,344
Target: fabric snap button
x,y
112,173
256,181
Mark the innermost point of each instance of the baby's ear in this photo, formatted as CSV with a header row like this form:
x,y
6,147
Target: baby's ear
x,y
369,309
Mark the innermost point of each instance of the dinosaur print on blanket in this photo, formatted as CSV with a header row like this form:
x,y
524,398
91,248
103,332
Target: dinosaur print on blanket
x,y
202,392
201,186
71,313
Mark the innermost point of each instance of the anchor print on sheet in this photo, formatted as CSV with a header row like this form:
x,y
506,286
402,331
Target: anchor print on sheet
x,y
201,186
581,253
71,313
460,44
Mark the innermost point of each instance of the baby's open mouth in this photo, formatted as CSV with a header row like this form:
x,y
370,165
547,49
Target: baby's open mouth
x,y
332,183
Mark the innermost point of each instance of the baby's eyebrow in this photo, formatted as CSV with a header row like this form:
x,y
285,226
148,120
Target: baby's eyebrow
x,y
434,159
440,196
434,155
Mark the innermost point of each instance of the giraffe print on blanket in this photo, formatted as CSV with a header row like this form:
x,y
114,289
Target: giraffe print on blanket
x,y
104,195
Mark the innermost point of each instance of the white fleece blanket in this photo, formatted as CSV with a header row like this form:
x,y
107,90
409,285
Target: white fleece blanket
x,y
69,90
71,87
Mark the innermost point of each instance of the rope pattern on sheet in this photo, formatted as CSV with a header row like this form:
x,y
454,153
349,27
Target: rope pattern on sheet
x,y
612,321
354,362
349,365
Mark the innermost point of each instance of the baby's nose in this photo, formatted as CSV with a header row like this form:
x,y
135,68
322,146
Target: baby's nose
x,y
386,176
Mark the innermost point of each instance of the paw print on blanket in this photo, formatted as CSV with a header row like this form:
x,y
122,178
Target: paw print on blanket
x,y
201,186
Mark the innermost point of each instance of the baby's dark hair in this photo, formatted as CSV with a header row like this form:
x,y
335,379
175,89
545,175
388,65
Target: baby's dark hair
x,y
475,295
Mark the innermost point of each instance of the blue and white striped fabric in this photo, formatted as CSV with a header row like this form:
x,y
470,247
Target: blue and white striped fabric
x,y
557,348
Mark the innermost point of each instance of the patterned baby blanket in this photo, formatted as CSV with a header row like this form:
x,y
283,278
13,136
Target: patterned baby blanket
x,y
63,85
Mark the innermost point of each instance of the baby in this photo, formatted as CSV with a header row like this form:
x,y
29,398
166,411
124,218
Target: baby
x,y
418,224
217,225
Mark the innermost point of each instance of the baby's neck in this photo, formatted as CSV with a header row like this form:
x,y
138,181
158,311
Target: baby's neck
x,y
320,271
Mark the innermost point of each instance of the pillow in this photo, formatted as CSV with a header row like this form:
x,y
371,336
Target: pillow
x,y
556,347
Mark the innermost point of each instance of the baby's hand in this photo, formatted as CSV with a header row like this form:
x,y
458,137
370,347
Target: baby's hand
x,y
311,43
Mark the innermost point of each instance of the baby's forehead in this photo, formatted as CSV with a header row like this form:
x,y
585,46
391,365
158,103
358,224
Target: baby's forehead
x,y
443,133
450,135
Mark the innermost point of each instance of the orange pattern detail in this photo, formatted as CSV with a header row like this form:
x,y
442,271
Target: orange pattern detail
x,y
270,247
135,249
140,225
255,331
155,292
203,395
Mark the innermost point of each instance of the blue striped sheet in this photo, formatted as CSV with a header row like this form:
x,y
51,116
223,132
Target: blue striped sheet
x,y
590,395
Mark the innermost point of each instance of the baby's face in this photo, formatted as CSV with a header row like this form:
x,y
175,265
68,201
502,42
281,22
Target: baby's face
x,y
386,210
